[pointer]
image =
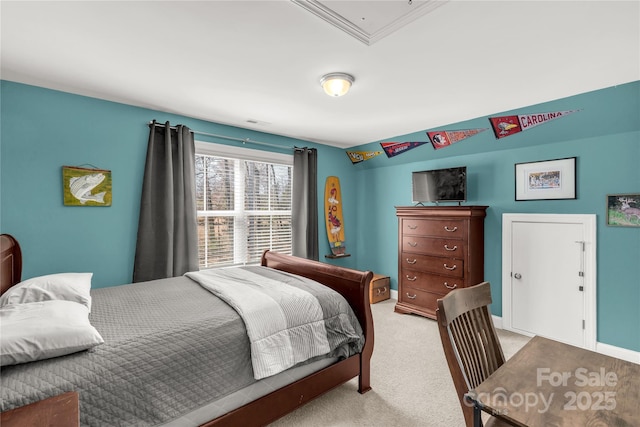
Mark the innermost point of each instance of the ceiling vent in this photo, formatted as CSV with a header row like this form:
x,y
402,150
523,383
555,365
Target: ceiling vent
x,y
257,122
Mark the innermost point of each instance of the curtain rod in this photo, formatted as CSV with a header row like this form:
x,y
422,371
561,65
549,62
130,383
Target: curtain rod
x,y
244,141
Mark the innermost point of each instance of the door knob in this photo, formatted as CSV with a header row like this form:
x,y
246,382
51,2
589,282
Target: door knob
x,y
517,276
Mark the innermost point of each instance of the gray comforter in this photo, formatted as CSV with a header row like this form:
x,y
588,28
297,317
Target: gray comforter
x,y
170,347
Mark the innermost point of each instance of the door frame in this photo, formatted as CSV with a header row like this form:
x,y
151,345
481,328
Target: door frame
x,y
588,221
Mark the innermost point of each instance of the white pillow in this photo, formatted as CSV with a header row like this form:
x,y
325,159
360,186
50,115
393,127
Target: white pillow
x,y
62,286
41,330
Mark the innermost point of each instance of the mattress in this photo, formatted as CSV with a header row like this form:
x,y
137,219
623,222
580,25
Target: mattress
x,y
171,348
248,394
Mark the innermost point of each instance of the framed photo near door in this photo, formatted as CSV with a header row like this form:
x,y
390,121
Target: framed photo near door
x,y
546,180
623,210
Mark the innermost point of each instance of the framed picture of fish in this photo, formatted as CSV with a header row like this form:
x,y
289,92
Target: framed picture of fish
x,y
86,186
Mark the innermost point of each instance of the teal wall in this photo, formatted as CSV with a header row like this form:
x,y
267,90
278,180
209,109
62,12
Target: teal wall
x,y
42,130
605,138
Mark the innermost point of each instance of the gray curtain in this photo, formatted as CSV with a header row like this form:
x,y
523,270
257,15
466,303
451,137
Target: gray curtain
x,y
304,211
167,244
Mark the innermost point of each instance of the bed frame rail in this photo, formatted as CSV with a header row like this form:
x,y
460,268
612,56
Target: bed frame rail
x,y
57,411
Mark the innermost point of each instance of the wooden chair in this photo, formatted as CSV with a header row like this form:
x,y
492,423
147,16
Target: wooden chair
x,y
470,342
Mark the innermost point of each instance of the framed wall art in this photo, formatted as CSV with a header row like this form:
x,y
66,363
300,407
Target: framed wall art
x,y
546,180
86,186
623,210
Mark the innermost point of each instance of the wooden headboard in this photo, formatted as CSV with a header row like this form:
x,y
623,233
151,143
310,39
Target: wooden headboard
x,y
11,262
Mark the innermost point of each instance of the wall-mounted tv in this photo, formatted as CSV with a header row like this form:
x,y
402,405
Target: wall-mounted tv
x,y
440,185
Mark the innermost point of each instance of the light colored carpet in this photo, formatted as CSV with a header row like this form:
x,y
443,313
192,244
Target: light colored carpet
x,y
410,380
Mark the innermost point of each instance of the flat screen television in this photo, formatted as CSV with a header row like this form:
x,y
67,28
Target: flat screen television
x,y
440,185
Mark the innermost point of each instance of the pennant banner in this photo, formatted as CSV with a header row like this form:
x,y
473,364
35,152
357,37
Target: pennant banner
x,y
361,156
394,148
444,138
508,125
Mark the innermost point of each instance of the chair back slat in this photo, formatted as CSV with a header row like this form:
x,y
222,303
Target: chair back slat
x,y
469,339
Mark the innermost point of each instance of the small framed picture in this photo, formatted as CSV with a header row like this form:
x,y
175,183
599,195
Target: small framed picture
x,y
623,210
86,186
546,180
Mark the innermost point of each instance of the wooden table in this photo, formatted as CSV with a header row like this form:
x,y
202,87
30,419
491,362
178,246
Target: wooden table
x,y
548,383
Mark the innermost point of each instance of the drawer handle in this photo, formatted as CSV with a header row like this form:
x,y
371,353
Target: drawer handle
x,y
446,285
381,291
450,249
411,262
412,227
412,279
413,244
450,230
450,268
411,296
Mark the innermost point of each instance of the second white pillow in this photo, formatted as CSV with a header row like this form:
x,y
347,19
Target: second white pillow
x,y
62,286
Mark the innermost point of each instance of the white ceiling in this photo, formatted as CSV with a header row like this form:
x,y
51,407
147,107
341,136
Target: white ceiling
x,y
237,61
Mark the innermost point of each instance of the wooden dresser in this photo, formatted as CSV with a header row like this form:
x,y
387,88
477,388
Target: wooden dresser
x,y
440,248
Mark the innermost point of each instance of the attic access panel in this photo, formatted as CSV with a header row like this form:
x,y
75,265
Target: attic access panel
x,y
369,21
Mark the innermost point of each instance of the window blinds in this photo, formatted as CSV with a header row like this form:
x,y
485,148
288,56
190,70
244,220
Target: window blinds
x,y
244,207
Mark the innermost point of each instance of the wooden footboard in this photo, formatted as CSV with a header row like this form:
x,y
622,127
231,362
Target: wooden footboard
x,y
354,286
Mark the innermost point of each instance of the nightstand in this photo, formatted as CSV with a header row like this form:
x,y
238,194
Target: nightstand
x,y
379,288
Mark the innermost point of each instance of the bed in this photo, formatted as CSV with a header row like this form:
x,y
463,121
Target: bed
x,y
172,383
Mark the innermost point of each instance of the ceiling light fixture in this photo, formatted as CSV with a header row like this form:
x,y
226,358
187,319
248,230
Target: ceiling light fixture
x,y
336,84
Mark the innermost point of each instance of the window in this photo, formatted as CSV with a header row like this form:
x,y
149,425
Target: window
x,y
244,204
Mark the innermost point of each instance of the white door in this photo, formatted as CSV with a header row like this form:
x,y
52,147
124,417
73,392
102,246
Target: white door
x,y
548,288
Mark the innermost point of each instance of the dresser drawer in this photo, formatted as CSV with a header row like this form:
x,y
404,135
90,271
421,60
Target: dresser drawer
x,y
451,228
429,282
433,246
432,264
419,298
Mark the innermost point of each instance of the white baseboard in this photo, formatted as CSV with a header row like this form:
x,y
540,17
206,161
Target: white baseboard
x,y
602,348
497,321
619,352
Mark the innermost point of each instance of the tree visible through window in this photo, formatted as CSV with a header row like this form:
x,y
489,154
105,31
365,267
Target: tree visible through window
x,y
244,207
